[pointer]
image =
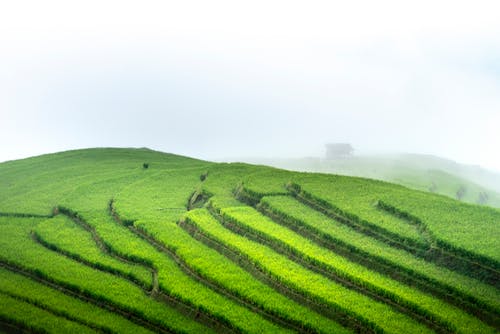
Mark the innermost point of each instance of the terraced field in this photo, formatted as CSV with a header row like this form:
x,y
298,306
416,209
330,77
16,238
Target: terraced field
x,y
133,240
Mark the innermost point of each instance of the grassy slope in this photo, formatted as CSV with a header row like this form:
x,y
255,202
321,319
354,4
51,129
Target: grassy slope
x,y
421,172
156,198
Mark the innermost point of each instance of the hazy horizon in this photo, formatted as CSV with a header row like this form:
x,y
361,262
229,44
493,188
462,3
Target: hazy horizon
x,y
264,79
258,159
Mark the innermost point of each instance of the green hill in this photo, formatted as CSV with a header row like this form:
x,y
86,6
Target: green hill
x,y
466,183
133,240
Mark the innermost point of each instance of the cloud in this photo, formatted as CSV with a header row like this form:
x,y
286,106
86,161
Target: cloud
x,y
214,79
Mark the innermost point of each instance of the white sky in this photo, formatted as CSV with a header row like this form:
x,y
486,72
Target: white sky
x,y
213,79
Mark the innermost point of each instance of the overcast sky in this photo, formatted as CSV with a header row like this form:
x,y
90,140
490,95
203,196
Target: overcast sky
x,y
215,79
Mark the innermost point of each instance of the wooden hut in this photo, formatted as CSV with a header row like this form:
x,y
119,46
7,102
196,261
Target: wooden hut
x,y
338,150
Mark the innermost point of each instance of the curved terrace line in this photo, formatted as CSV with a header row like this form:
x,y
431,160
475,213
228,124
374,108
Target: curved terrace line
x,y
155,292
105,249
378,294
58,313
200,314
326,310
488,272
425,284
437,255
74,292
104,268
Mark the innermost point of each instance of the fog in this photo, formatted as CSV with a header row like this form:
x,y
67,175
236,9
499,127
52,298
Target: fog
x,y
222,79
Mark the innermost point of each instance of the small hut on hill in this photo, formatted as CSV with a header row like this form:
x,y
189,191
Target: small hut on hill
x,y
338,150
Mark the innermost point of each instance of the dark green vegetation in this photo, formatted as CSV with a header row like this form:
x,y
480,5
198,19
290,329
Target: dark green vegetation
x,y
132,240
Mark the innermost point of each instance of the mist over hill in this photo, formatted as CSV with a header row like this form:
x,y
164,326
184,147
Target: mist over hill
x,y
468,183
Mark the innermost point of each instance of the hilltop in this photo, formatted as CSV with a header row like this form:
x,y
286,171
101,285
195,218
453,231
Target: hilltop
x,y
134,240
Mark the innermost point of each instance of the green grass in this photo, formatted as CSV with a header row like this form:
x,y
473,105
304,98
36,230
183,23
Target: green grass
x,y
161,224
18,249
311,253
309,283
157,260
173,281
35,319
337,233
43,296
65,235
461,225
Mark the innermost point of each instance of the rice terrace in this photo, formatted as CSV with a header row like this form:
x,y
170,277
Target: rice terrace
x,y
112,240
